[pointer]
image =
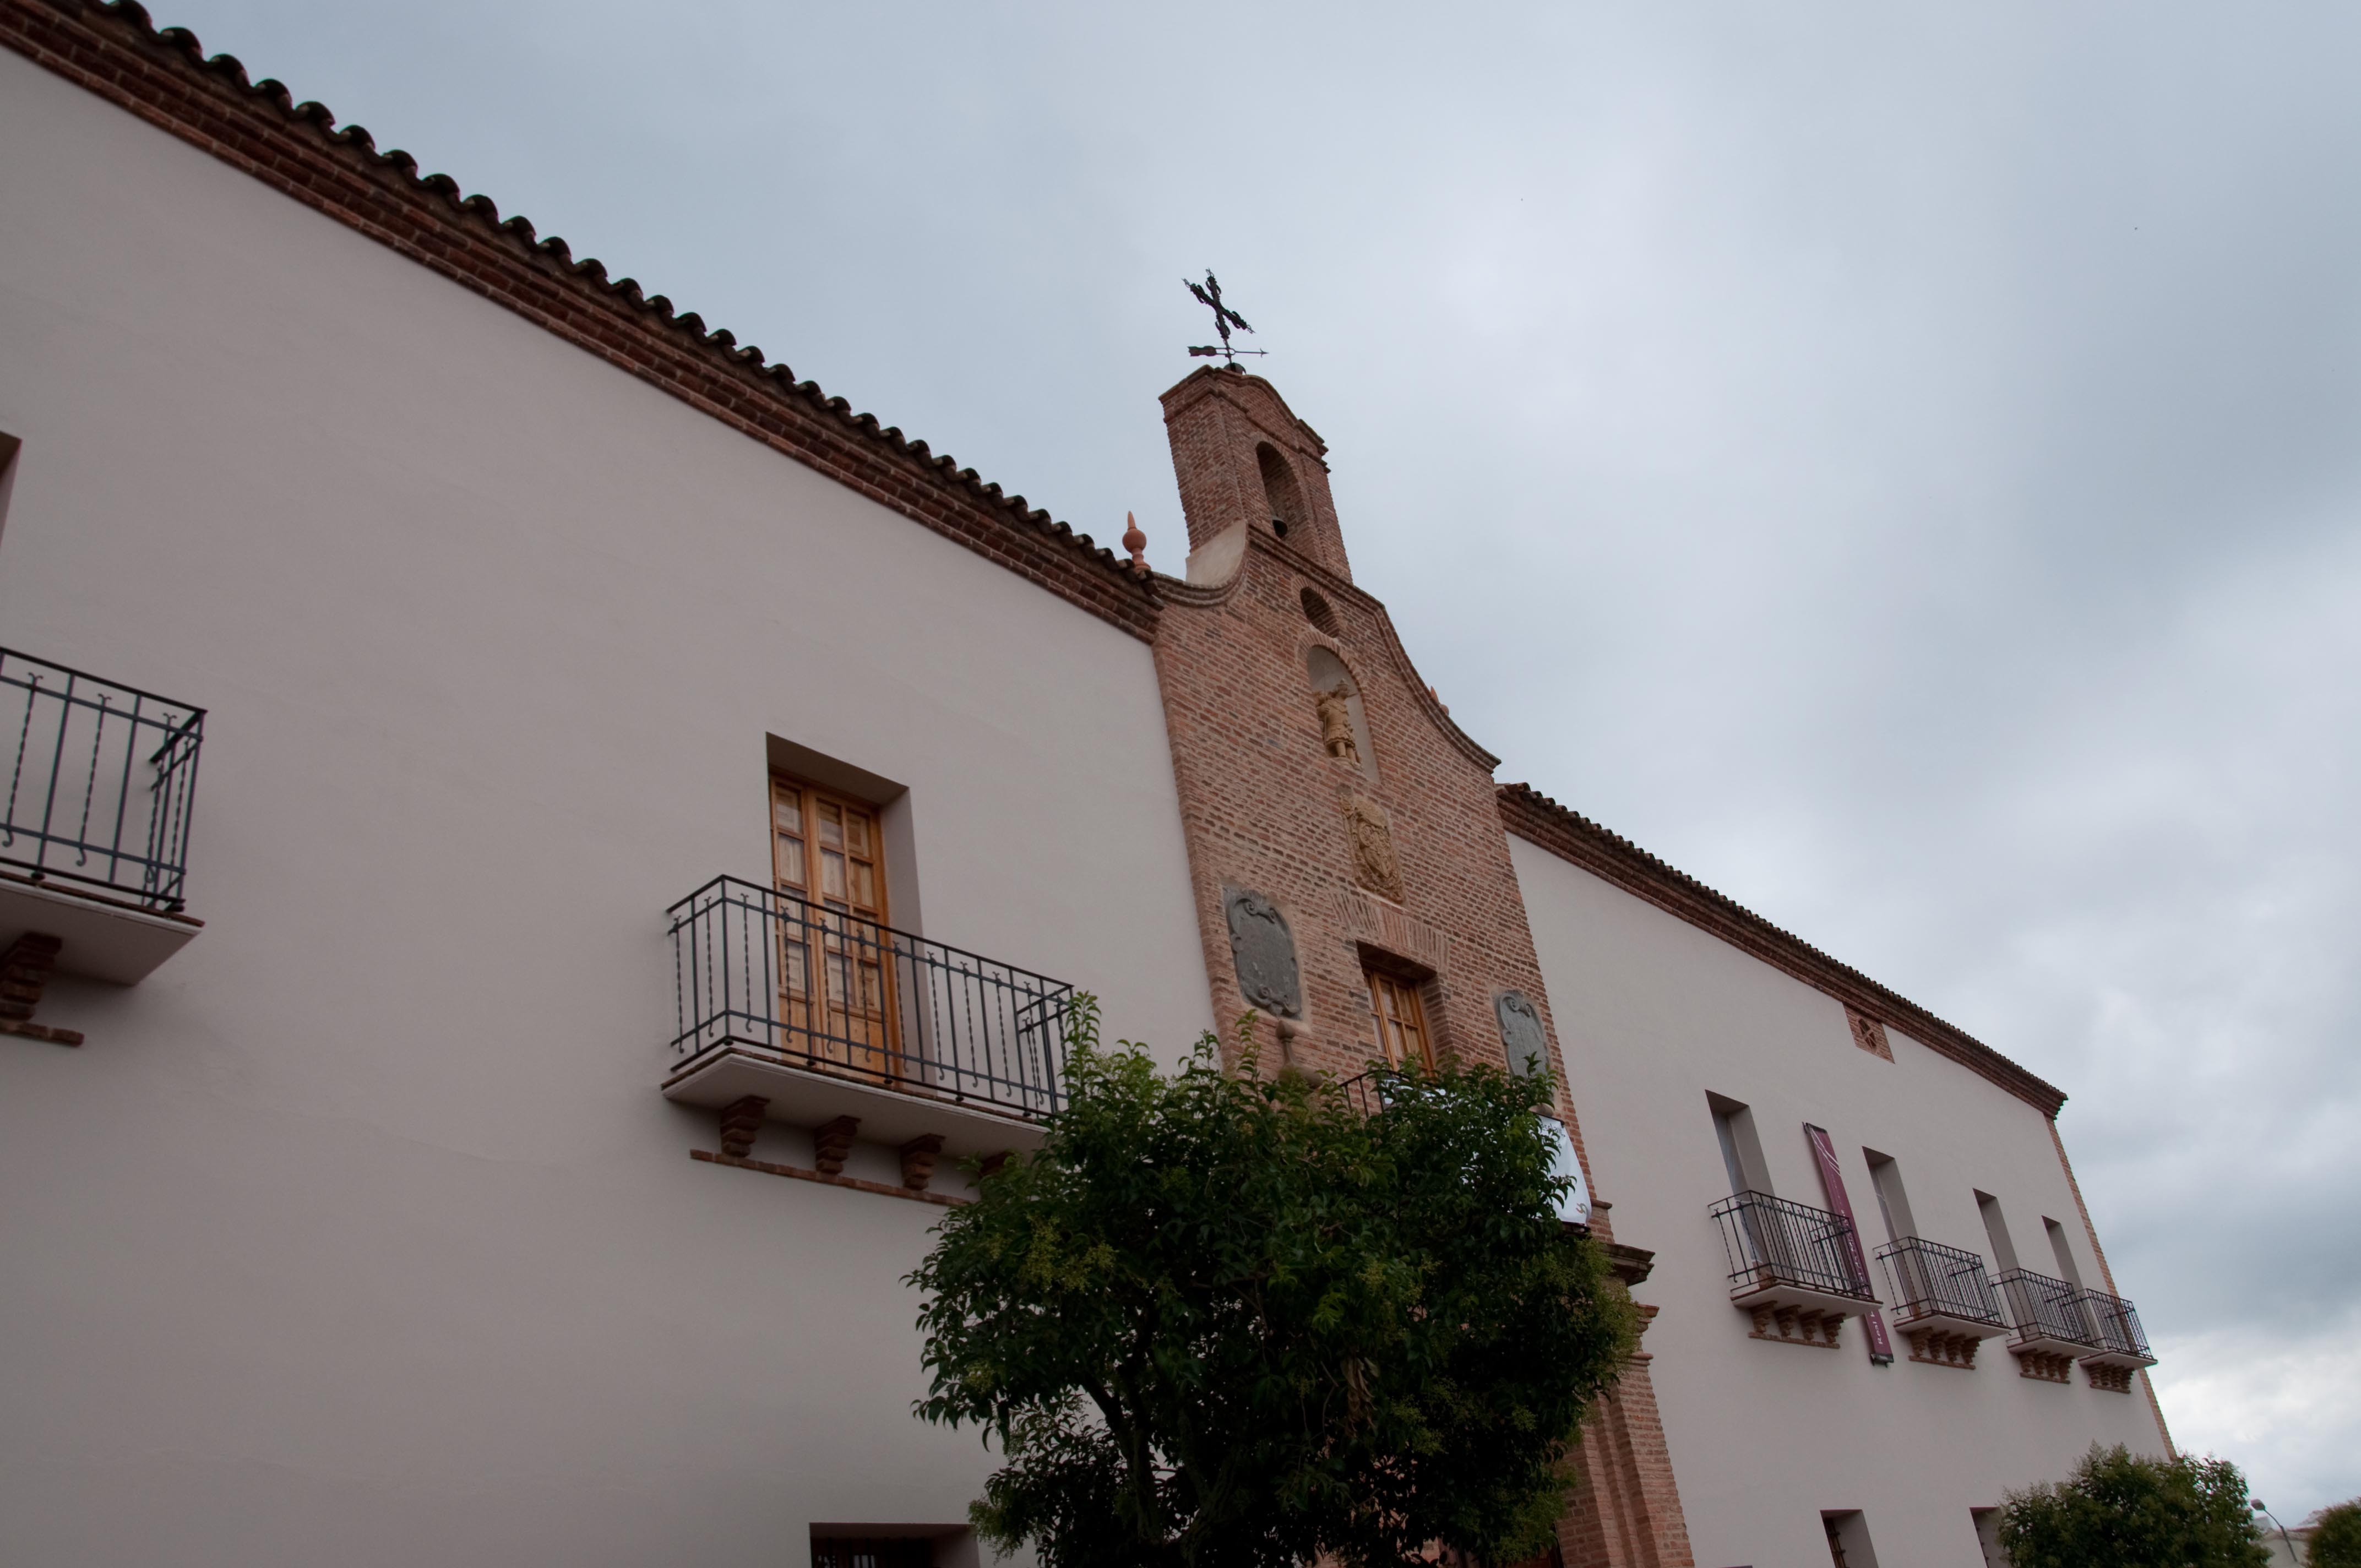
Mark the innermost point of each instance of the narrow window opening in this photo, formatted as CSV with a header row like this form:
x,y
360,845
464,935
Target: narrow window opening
x,y
1848,1533
873,1551
8,446
1987,1523
2066,1269
1997,1232
1893,1203
1741,1150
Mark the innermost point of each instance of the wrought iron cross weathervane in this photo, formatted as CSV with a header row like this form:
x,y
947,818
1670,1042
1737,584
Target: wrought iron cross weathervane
x,y
1209,294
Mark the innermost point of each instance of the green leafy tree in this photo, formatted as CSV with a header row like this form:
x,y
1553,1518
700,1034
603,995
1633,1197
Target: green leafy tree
x,y
2121,1510
2337,1536
1222,1322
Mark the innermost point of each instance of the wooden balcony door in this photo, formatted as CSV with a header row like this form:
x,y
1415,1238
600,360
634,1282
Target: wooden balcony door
x,y
1401,1023
836,994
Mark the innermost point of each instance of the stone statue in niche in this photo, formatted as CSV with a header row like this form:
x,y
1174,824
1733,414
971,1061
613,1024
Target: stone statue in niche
x,y
1336,724
1263,950
1375,864
1522,1034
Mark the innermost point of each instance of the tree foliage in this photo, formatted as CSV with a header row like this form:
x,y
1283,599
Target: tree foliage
x,y
2121,1510
1222,1322
2337,1536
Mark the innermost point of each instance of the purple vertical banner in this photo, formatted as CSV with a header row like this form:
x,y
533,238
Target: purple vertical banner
x,y
1880,1345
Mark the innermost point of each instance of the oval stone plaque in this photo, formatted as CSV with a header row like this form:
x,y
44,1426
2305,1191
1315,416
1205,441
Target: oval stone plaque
x,y
1264,951
1522,1034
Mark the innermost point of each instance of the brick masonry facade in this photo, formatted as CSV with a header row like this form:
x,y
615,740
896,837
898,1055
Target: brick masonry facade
x,y
1374,829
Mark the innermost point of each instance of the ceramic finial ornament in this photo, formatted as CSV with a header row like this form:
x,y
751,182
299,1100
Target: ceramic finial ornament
x,y
1135,541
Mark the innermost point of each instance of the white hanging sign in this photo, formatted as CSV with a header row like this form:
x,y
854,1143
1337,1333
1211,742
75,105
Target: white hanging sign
x,y
1574,1207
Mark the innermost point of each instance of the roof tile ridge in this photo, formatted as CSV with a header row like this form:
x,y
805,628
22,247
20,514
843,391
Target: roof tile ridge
x,y
320,121
1948,1040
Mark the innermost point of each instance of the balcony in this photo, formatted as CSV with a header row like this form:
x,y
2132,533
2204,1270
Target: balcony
x,y
2052,1330
2122,1347
1944,1304
794,1012
95,831
1797,1269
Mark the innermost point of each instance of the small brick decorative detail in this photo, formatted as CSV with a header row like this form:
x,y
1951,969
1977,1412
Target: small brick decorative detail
x,y
918,1158
741,1122
2042,1364
831,1141
1937,1349
827,1178
2113,1379
25,970
1868,1033
1798,1325
991,1164
1362,918
40,1032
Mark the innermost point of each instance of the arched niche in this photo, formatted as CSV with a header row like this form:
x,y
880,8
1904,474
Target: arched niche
x,y
1280,490
1330,677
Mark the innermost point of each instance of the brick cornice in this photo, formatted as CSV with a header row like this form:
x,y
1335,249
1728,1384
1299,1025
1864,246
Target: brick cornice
x,y
1223,382
1573,838
113,50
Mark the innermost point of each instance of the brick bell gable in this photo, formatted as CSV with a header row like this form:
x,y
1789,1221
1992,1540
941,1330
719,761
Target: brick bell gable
x,y
1244,460
1325,790
1391,855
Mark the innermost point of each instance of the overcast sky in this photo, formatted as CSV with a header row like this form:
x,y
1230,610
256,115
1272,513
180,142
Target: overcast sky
x,y
1900,463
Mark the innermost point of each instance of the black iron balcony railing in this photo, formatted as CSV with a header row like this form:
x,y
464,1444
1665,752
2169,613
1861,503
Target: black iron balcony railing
x,y
1772,1242
1373,1089
1931,1280
101,786
765,971
2045,1309
2116,1326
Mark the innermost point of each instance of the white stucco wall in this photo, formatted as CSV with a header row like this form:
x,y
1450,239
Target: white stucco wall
x,y
1655,1014
359,1231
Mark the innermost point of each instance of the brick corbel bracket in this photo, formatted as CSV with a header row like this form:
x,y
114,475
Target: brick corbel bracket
x,y
1631,1265
919,1157
2113,1379
1795,1325
2046,1367
25,970
742,1122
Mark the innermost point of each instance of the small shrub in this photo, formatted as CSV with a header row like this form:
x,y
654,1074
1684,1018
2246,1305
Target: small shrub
x,y
2121,1510
2337,1536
